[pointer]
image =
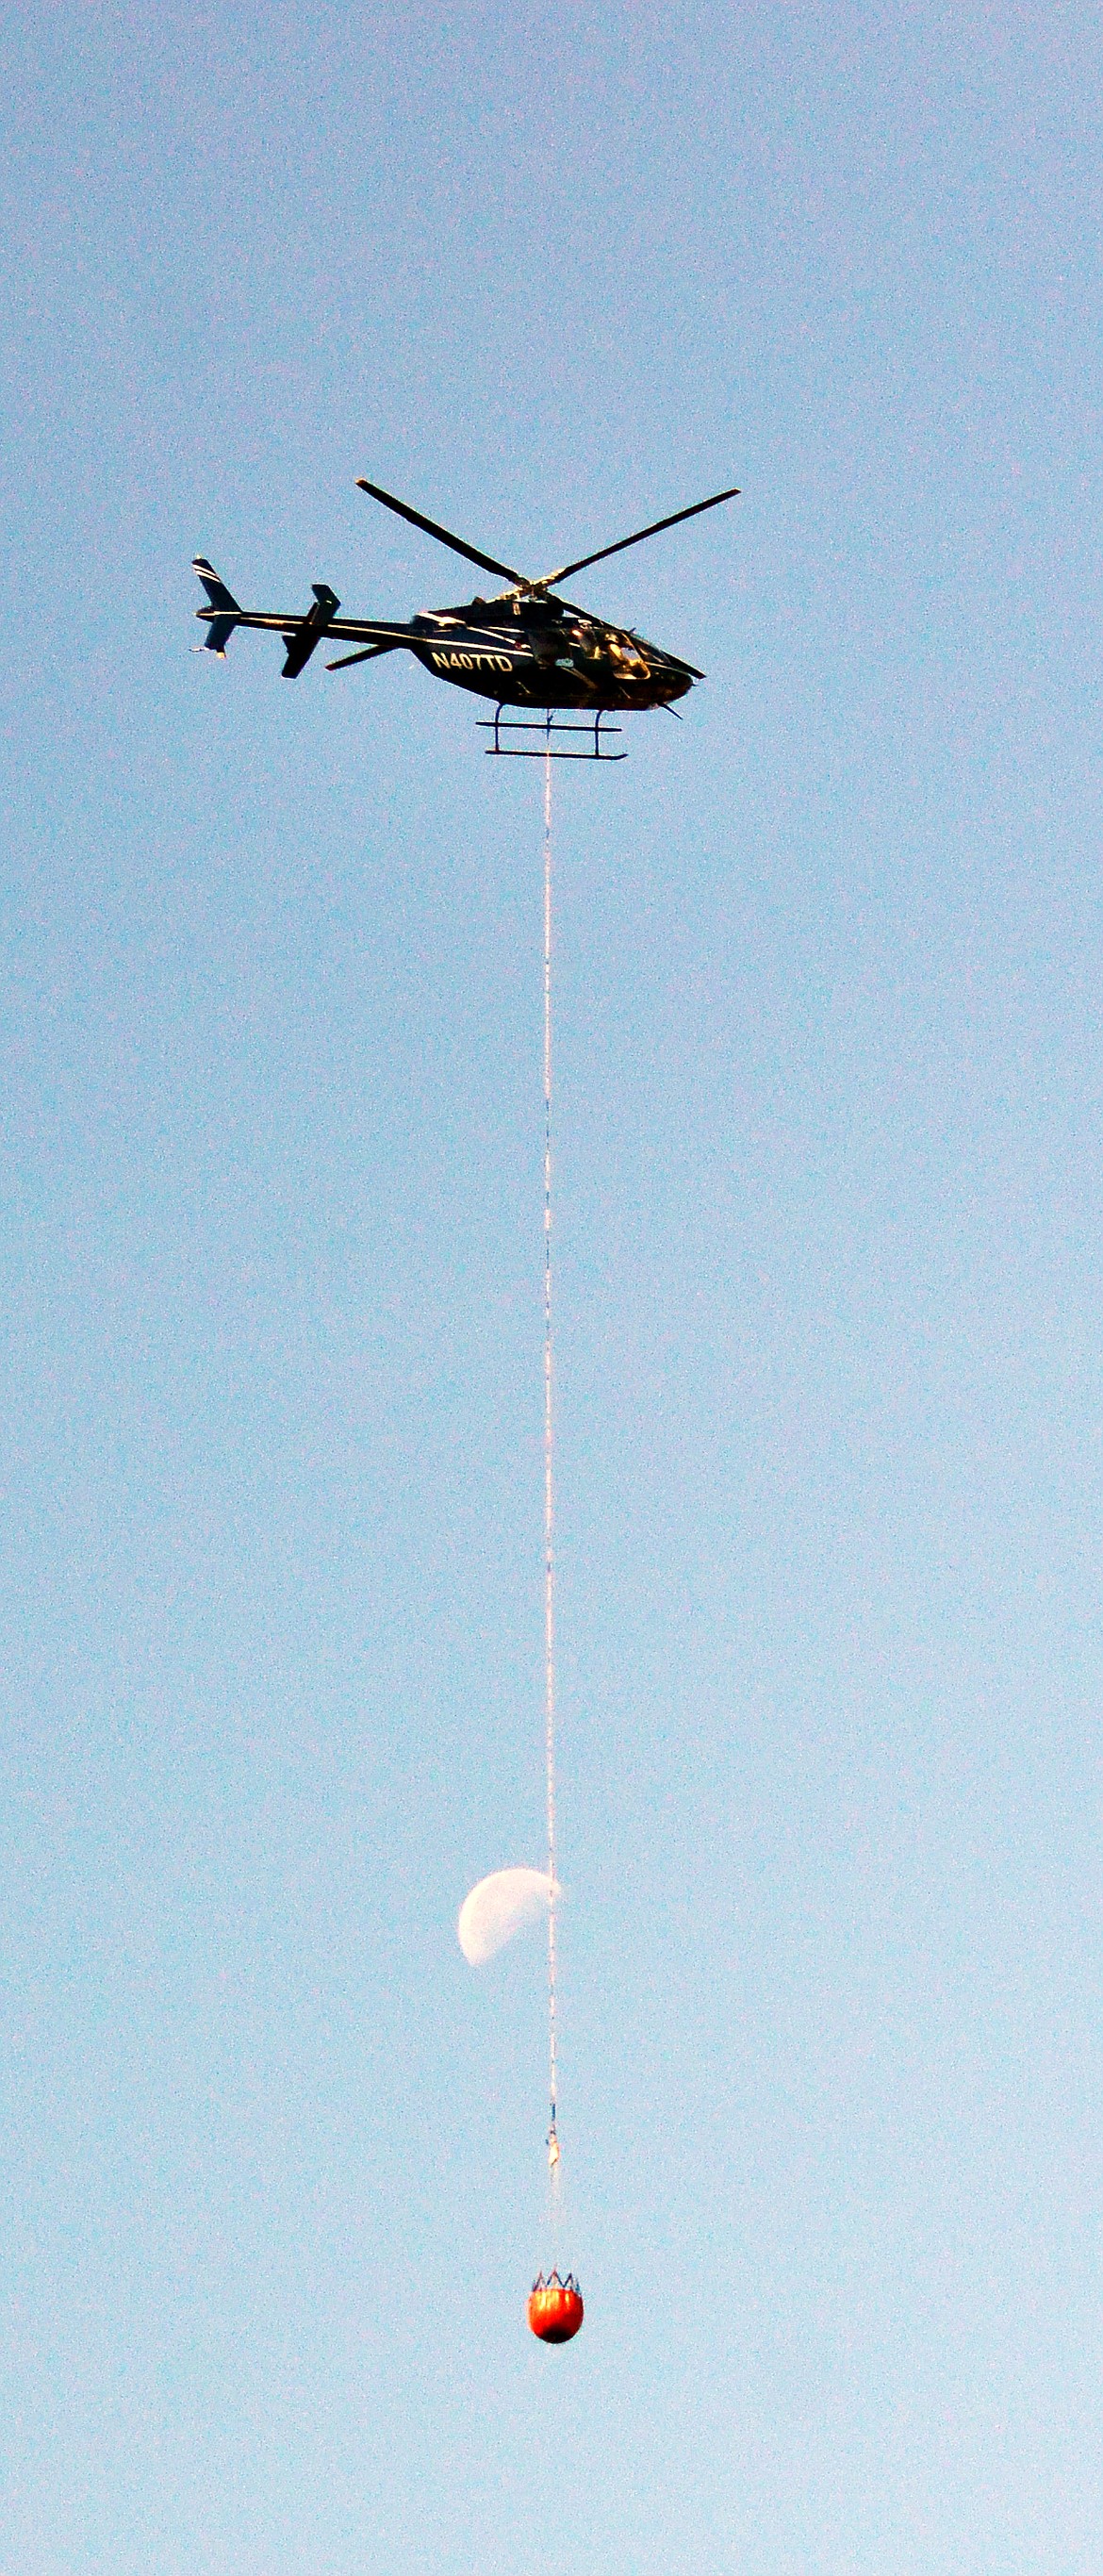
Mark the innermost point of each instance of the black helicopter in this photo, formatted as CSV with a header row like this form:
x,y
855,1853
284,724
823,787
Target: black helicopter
x,y
523,648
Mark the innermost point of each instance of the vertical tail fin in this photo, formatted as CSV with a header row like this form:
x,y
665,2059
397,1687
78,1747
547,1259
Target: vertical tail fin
x,y
221,624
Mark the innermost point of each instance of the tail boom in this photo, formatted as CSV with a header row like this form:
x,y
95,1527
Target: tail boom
x,y
301,634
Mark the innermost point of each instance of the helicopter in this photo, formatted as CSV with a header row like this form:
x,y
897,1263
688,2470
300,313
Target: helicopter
x,y
526,647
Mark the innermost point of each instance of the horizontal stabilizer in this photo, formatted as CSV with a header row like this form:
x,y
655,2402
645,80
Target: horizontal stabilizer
x,y
301,639
219,628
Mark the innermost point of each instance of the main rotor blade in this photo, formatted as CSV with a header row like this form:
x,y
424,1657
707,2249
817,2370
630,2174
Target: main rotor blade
x,y
370,653
444,536
580,564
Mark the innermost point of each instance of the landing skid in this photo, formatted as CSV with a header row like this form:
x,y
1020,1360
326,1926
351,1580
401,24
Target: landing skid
x,y
498,724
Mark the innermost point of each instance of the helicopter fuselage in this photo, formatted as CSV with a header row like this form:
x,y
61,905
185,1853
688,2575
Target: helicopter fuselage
x,y
515,652
519,652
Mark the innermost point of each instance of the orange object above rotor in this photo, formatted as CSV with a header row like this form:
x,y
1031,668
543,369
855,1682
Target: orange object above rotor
x,y
555,2308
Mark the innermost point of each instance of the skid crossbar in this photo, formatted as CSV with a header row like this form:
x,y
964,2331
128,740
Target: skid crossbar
x,y
497,724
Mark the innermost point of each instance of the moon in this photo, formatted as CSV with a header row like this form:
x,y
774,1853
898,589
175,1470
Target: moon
x,y
500,1906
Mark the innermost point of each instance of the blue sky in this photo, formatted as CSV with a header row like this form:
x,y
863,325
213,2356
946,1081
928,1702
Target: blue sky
x,y
831,1362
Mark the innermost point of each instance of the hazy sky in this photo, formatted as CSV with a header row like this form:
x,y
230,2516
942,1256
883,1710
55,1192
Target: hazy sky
x,y
830,1070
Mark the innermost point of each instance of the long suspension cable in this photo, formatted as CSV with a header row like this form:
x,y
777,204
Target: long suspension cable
x,y
549,1488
